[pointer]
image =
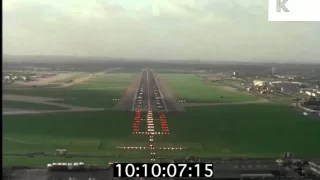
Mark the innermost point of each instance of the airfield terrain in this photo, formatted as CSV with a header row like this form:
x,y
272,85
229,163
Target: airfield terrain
x,y
117,115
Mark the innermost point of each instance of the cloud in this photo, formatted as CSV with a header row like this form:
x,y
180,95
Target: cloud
x,y
155,29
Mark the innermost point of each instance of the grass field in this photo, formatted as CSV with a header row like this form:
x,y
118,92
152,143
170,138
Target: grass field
x,y
96,93
28,105
69,79
85,133
193,89
250,130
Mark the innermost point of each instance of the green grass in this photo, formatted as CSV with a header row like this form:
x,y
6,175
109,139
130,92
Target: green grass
x,y
110,81
69,79
235,130
91,133
193,89
28,105
86,94
252,130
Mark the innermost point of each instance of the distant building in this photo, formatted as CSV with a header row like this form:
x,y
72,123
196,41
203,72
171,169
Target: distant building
x,y
259,83
314,94
235,74
273,70
309,93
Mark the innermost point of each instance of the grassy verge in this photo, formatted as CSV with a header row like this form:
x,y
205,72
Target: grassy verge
x,y
264,130
28,105
193,89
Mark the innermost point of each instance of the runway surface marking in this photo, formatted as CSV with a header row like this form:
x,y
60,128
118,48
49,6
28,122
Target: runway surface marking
x,y
149,107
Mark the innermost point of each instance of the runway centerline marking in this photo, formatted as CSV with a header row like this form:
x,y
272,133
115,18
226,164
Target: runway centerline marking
x,y
148,85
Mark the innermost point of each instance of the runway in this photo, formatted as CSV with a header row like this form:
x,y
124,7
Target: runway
x,y
148,96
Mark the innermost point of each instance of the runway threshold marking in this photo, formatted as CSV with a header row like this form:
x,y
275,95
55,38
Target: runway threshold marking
x,y
151,133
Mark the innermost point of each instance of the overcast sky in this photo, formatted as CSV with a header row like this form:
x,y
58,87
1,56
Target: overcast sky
x,y
156,29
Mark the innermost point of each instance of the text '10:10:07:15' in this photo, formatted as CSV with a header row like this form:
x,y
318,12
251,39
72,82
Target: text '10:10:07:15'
x,y
164,170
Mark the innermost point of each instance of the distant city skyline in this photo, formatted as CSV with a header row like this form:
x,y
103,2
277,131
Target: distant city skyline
x,y
206,30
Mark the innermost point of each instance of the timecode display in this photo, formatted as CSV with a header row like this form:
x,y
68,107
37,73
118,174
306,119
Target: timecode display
x,y
158,170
